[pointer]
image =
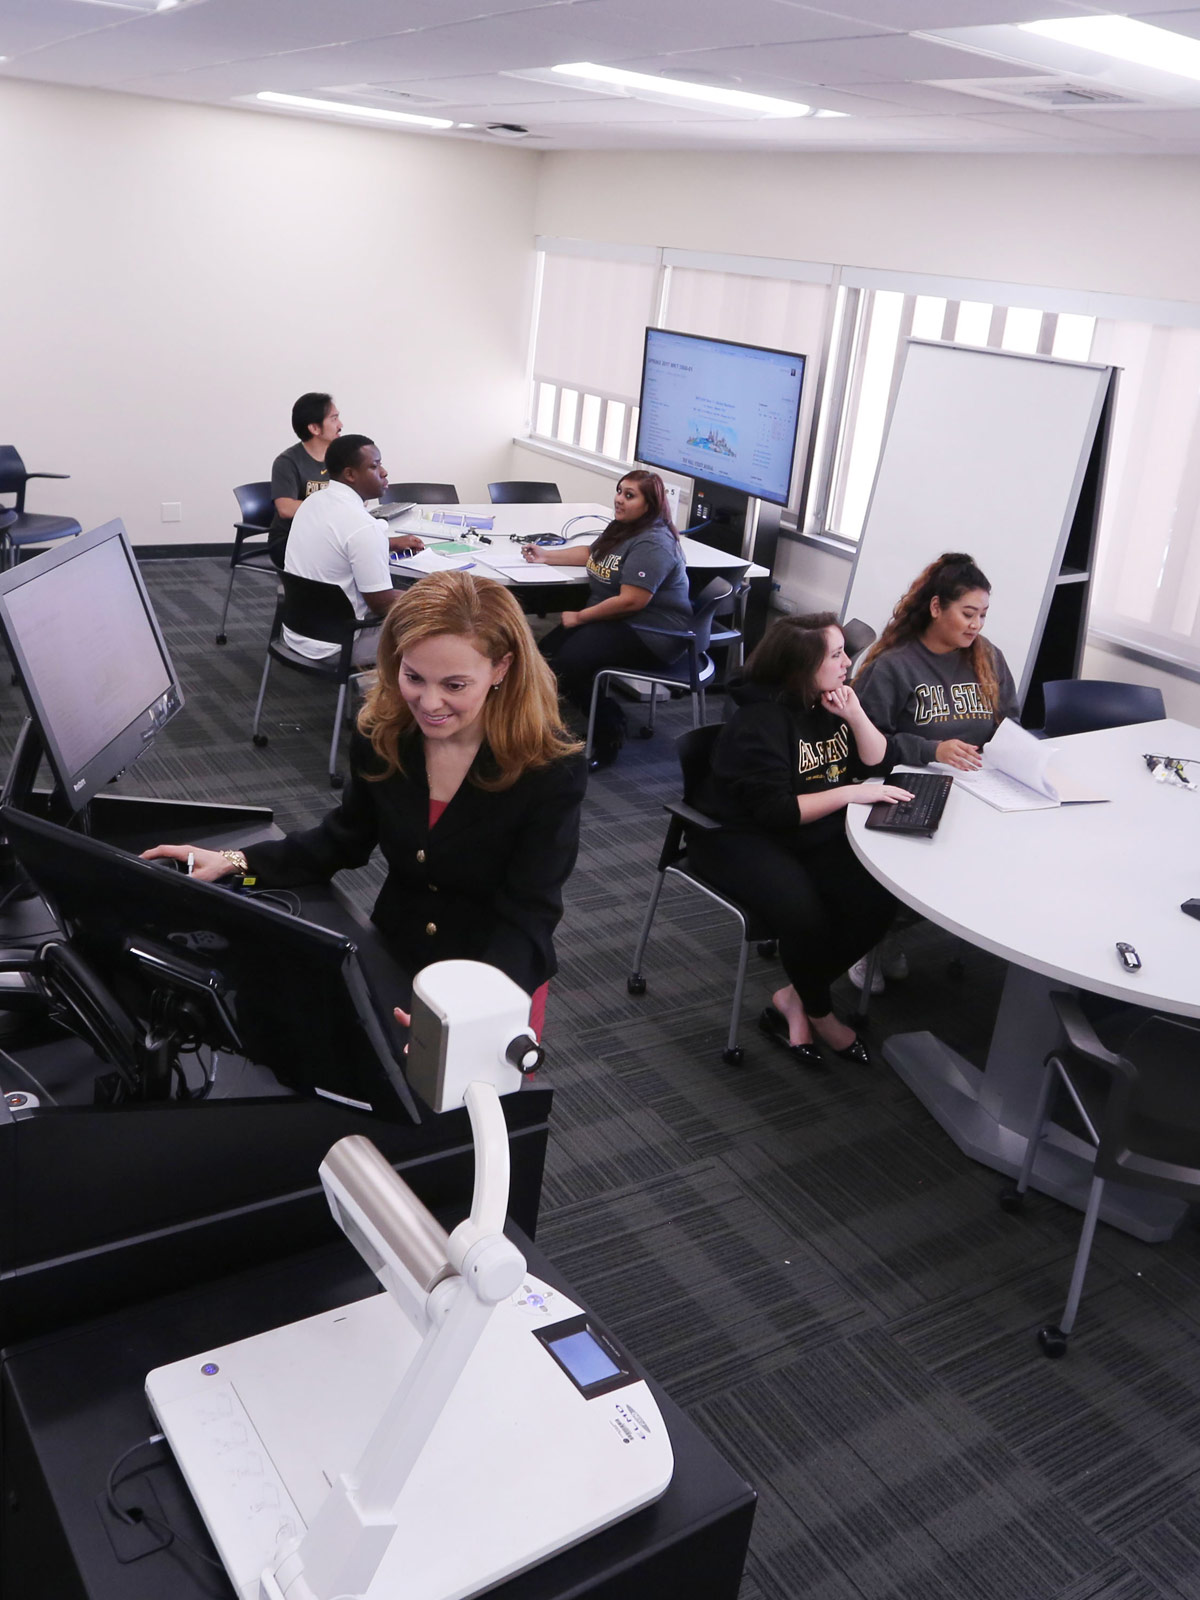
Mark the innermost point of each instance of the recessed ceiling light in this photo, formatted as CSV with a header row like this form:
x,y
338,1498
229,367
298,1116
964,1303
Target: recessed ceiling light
x,y
342,108
1126,40
643,83
144,6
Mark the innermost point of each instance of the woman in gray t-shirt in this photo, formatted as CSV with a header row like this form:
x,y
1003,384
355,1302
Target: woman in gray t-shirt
x,y
637,575
931,681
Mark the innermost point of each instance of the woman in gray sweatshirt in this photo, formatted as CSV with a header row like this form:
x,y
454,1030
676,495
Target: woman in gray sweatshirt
x,y
931,682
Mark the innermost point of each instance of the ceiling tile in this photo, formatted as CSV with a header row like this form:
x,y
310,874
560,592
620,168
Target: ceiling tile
x,y
30,24
907,16
670,25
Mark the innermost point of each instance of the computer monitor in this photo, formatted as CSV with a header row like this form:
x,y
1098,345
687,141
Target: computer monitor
x,y
92,662
156,961
727,413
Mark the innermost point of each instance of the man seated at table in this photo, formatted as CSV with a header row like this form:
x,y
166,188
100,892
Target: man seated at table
x,y
300,470
335,539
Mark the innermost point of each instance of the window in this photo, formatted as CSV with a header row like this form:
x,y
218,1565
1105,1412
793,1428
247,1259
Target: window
x,y
1147,588
872,327
593,307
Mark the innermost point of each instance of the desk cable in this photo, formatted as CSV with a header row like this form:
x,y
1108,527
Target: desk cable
x,y
138,1514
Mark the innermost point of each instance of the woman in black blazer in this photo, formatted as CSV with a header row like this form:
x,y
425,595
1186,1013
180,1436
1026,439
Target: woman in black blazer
x,y
463,774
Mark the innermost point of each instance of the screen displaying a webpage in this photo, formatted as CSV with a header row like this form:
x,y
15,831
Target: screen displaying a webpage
x,y
724,412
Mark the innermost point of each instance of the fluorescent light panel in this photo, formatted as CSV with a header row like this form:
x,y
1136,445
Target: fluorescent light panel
x,y
342,108
1125,40
644,83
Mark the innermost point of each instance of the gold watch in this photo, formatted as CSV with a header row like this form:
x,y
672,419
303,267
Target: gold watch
x,y
238,858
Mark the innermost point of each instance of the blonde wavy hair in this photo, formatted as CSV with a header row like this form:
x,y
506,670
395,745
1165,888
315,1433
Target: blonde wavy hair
x,y
949,577
521,723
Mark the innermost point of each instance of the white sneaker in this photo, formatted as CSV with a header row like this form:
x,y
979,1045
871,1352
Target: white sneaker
x,y
893,963
858,976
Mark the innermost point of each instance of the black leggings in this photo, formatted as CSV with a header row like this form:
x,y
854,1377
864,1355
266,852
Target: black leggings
x,y
825,908
578,654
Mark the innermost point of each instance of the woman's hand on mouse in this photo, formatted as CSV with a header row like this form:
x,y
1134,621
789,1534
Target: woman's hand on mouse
x,y
207,865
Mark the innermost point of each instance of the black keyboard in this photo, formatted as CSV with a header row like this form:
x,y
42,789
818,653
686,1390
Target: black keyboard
x,y
919,815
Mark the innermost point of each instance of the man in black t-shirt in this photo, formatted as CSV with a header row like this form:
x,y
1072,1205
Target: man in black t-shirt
x,y
300,470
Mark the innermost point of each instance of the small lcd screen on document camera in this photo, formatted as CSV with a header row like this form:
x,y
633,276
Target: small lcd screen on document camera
x,y
584,1358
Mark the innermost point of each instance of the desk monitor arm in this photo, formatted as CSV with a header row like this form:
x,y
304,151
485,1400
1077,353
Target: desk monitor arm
x,y
470,1044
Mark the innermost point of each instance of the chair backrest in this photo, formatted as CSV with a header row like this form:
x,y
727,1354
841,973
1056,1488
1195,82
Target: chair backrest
x,y
715,593
524,492
420,494
859,636
255,504
695,752
317,610
1151,1134
12,471
1081,705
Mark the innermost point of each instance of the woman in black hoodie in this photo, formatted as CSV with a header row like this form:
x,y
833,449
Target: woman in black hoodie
x,y
785,767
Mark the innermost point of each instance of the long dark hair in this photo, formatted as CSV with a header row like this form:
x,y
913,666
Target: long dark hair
x,y
654,492
948,578
789,655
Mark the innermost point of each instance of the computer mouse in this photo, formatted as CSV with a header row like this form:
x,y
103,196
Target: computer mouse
x,y
1192,907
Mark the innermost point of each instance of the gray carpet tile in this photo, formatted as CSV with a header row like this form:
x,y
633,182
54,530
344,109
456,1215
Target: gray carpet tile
x,y
804,1260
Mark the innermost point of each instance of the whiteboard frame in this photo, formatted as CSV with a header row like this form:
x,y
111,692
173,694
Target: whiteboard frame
x,y
1024,678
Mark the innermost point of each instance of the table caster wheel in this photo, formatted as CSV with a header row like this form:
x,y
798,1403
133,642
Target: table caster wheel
x,y
221,638
768,949
645,733
336,780
258,739
734,1057
635,983
1011,1199
1053,1342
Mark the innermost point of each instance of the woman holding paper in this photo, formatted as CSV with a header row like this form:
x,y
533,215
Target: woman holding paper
x,y
931,681
785,768
638,579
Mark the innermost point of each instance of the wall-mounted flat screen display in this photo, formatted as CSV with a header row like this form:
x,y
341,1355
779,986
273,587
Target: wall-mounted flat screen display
x,y
724,412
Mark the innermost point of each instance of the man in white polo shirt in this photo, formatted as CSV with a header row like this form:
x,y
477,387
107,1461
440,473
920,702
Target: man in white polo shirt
x,y
335,539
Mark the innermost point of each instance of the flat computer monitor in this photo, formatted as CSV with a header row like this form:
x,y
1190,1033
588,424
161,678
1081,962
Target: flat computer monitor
x,y
155,955
724,412
92,662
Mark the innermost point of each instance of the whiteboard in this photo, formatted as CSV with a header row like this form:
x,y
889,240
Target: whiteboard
x,y
984,452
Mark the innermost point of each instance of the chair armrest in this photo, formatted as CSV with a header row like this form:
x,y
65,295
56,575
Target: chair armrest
x,y
251,529
670,633
29,475
1081,1036
689,814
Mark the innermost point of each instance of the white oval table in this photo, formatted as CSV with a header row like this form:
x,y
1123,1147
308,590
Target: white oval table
x,y
1052,892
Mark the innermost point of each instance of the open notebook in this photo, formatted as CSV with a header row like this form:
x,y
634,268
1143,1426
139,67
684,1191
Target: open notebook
x,y
1019,773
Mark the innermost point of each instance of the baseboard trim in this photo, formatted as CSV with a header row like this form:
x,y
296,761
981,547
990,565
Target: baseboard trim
x,y
182,552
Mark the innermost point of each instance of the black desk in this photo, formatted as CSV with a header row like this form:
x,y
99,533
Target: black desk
x,y
73,1402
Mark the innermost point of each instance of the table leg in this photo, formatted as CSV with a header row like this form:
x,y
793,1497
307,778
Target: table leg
x,y
988,1114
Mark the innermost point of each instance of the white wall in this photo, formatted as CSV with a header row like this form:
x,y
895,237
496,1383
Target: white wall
x,y
176,275
1119,224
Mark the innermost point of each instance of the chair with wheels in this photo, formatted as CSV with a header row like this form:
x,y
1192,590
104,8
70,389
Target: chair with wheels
x,y
1081,705
694,672
256,511
27,527
419,494
318,611
695,750
524,492
1141,1109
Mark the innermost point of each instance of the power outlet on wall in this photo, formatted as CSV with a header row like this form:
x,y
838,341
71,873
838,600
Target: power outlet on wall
x,y
172,511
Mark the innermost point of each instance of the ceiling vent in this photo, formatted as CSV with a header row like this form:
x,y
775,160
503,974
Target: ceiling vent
x,y
384,94
1045,94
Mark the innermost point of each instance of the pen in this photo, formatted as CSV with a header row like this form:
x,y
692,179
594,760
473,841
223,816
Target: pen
x,y
191,862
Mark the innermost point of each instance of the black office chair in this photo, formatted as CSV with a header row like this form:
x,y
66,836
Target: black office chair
x,y
1081,705
518,492
257,510
859,637
318,611
419,494
693,672
27,527
695,757
1141,1109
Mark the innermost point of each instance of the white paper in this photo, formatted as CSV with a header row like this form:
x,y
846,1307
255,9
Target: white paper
x,y
429,561
1015,775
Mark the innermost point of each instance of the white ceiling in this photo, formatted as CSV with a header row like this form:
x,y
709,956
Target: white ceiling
x,y
872,60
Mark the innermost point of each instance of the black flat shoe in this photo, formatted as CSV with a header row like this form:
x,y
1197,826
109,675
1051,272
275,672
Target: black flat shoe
x,y
856,1052
603,755
774,1024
